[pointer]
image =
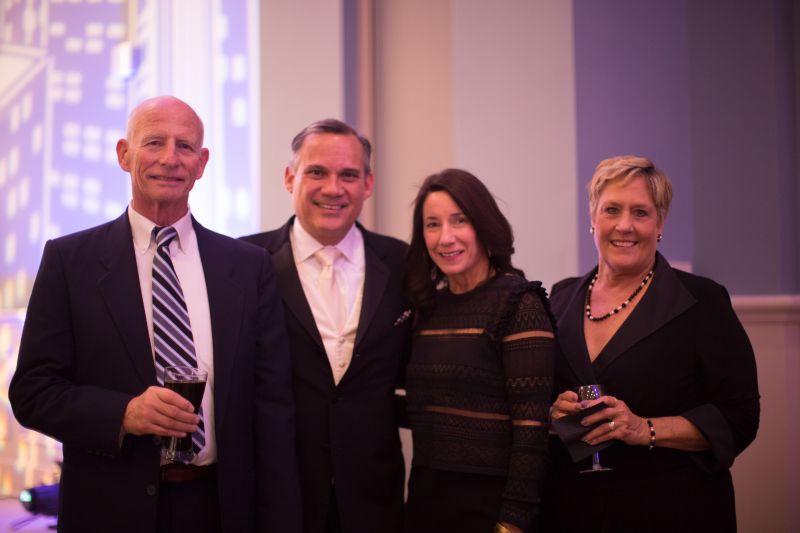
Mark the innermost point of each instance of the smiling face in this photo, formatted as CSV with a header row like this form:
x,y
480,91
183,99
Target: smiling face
x,y
328,185
626,228
452,243
164,155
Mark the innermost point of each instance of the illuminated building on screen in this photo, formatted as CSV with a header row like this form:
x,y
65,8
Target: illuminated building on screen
x,y
70,71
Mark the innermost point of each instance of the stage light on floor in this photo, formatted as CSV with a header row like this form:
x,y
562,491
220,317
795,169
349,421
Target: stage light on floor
x,y
41,500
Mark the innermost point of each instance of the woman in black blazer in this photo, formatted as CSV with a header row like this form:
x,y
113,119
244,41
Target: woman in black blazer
x,y
677,367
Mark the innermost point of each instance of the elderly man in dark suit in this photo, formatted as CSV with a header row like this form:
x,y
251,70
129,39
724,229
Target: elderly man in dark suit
x,y
348,331
105,314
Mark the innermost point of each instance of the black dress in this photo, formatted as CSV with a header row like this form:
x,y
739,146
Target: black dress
x,y
480,371
681,352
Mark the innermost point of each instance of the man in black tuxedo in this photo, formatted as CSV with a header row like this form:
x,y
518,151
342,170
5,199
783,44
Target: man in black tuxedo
x,y
86,373
348,331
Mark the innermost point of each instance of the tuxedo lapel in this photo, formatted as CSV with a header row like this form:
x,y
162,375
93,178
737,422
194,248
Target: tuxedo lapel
x,y
291,288
376,276
225,304
119,287
663,301
570,333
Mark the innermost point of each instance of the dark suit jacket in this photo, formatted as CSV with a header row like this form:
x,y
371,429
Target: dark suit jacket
x,y
85,354
348,433
681,352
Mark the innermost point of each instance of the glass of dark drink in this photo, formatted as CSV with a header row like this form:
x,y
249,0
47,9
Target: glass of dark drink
x,y
190,383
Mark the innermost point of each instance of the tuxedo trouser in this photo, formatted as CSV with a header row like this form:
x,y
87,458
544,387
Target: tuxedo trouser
x,y
334,525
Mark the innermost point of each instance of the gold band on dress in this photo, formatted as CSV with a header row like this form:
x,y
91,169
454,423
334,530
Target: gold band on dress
x,y
477,414
500,528
478,331
529,335
455,331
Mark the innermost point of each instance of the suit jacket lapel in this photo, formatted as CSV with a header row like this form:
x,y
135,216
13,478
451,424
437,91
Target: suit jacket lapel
x,y
290,286
664,300
119,288
570,333
376,276
225,303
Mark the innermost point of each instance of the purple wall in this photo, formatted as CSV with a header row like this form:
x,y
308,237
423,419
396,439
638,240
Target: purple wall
x,y
708,90
743,129
632,92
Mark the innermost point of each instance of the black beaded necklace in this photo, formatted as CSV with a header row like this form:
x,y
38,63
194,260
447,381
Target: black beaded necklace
x,y
617,309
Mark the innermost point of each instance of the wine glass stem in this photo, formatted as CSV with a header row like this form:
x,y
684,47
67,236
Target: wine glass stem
x,y
596,461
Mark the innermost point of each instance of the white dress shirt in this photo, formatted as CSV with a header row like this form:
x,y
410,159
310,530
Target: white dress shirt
x,y
188,265
350,270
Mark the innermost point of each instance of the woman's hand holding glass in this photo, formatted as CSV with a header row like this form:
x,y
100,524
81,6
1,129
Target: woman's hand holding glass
x,y
566,404
622,424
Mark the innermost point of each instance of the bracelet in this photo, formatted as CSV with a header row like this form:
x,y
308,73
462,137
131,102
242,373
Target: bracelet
x,y
652,434
500,528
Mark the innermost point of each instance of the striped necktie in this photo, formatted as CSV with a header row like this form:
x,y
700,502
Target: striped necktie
x,y
172,331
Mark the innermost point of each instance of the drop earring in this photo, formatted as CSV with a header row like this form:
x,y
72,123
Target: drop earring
x,y
591,230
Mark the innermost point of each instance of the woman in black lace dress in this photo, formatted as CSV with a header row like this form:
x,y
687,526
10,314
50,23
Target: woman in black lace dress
x,y
481,368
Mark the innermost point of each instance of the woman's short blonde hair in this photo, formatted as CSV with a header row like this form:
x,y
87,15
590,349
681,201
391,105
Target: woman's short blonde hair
x,y
626,168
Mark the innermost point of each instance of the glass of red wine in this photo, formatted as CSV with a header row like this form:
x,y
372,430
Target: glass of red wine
x,y
592,392
190,383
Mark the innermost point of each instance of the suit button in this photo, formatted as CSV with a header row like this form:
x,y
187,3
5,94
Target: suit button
x,y
151,490
156,440
356,355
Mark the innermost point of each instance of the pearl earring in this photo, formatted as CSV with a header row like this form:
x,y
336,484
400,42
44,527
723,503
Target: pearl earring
x,y
659,237
591,230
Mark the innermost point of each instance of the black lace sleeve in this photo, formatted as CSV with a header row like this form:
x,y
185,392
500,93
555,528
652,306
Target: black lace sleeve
x,y
527,350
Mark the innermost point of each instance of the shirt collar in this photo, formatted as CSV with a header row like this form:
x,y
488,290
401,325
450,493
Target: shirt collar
x,y
305,245
142,230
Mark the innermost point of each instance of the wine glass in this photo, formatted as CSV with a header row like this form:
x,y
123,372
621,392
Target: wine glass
x,y
592,392
190,383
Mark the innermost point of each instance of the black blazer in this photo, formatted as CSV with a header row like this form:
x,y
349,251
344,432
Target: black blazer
x,y
681,352
85,354
348,433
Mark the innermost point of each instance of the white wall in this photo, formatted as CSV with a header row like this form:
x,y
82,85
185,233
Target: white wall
x,y
414,104
514,122
465,84
767,474
302,80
